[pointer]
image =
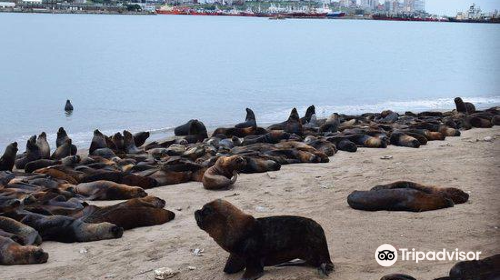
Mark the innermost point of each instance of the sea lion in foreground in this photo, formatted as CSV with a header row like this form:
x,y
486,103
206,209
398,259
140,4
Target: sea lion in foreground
x,y
485,269
464,107
9,157
223,173
250,120
255,243
397,276
107,190
67,229
11,253
406,196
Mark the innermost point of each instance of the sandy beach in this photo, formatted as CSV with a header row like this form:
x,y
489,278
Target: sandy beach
x,y
317,191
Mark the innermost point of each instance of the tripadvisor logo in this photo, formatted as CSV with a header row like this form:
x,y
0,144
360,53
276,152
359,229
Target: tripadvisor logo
x,y
387,255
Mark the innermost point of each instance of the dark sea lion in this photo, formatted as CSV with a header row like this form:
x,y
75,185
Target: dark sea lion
x,y
106,153
367,141
397,277
183,130
224,173
397,200
14,237
238,132
28,235
140,138
41,163
293,124
478,121
67,229
32,153
311,110
61,137
495,120
117,140
107,190
464,107
485,269
164,178
456,195
388,116
332,124
43,145
250,120
9,157
129,143
98,142
11,253
343,144
259,165
129,214
63,151
255,243
121,178
402,139
197,132
68,107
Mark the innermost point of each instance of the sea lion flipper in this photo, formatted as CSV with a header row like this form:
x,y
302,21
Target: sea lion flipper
x,y
234,264
233,179
254,270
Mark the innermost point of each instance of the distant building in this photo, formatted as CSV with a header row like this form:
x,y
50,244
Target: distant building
x,y
7,5
32,2
369,4
347,3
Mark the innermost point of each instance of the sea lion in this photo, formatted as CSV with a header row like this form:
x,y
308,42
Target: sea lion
x,y
140,138
107,190
121,178
32,153
224,173
485,269
68,107
402,139
117,140
129,143
197,132
43,145
40,163
63,151
61,136
28,235
388,116
397,276
11,253
255,243
250,120
464,107
293,124
67,229
98,142
310,111
9,157
312,123
481,122
406,196
130,214
331,125
259,165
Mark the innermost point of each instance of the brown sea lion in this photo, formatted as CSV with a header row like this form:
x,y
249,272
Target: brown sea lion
x,y
9,157
61,137
464,107
250,120
11,253
43,145
332,124
67,229
130,214
293,124
259,165
224,173
310,111
107,190
140,138
63,151
402,139
129,143
41,163
255,243
456,195
117,140
28,235
485,269
55,172
98,142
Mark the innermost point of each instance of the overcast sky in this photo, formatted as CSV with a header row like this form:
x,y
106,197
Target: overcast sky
x,y
451,7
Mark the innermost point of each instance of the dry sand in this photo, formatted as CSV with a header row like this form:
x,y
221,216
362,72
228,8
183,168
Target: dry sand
x,y
317,191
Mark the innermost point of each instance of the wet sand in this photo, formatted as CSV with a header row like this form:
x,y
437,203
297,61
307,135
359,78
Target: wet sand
x,y
317,191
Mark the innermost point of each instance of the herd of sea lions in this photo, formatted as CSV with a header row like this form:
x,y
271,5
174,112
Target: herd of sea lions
x,y
43,195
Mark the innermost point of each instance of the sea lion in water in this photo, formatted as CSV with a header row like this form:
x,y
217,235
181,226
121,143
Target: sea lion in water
x,y
43,145
32,153
255,243
9,157
11,253
250,120
67,229
223,173
406,196
68,107
464,107
28,235
107,190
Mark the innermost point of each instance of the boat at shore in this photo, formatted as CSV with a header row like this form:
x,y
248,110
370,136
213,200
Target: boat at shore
x,y
407,18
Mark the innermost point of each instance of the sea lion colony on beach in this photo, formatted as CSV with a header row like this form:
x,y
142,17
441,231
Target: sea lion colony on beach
x,y
46,193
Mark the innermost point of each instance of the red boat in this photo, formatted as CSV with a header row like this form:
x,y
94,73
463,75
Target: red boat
x,y
405,18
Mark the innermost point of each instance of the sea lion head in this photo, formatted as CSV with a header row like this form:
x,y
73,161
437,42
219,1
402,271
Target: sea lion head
x,y
43,135
458,196
294,115
93,232
311,110
61,132
11,149
250,114
234,162
225,223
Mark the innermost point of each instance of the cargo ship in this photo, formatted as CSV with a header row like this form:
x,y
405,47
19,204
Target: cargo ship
x,y
407,18
474,15
335,15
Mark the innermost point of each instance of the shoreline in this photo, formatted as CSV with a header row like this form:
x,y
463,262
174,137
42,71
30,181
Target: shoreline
x,y
317,191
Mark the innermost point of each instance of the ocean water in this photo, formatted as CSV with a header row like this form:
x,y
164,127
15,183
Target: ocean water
x,y
156,72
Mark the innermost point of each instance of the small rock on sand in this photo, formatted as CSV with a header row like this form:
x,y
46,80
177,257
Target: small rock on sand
x,y
386,157
164,273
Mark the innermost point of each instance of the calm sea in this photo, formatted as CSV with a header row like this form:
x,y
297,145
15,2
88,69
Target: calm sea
x,y
156,72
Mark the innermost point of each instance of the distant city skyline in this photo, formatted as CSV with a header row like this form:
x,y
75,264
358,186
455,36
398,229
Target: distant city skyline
x,y
451,7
